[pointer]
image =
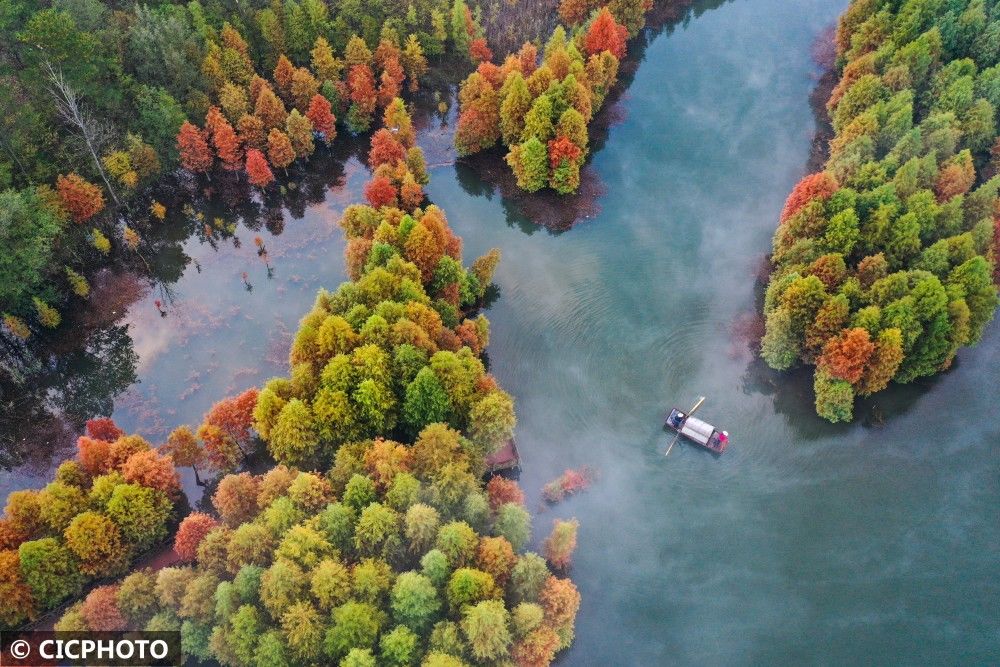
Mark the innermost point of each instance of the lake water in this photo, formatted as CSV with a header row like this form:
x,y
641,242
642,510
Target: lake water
x,y
806,543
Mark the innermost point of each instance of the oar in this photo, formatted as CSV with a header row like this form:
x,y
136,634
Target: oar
x,y
701,399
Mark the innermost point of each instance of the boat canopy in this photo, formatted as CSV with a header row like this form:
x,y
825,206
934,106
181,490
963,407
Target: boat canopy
x,y
697,430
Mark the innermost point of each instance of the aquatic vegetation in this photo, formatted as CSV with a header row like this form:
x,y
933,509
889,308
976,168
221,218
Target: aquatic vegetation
x,y
884,262
561,543
569,483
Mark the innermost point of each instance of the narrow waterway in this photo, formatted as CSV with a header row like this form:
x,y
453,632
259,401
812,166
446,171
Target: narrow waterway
x,y
806,542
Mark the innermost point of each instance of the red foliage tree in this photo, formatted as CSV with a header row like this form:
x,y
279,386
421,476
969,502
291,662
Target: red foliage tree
x,y
380,192
234,415
361,84
845,356
501,491
320,114
814,186
606,34
385,149
560,149
104,428
94,455
194,152
81,198
568,483
480,51
190,533
100,610
258,171
152,469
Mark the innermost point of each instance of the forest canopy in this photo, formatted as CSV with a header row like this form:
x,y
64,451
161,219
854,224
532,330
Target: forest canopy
x,y
101,101
884,262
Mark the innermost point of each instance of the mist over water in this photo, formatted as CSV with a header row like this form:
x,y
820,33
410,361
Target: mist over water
x,y
806,543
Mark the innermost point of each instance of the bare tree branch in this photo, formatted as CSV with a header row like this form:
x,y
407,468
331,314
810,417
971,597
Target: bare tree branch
x,y
93,133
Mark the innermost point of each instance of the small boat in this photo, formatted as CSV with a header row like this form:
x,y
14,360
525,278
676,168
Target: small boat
x,y
697,431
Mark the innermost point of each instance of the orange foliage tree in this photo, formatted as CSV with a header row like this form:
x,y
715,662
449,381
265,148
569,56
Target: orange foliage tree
x,y
190,533
390,82
844,357
16,602
284,70
501,491
100,610
194,152
385,149
185,449
251,131
480,51
152,469
279,149
227,146
814,186
236,498
270,109
605,34
94,455
81,198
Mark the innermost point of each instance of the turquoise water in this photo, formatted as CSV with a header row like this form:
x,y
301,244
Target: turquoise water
x,y
806,543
